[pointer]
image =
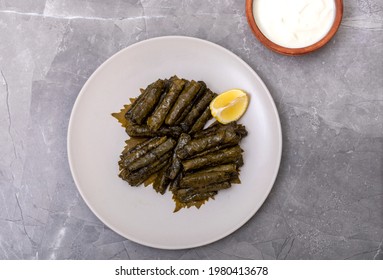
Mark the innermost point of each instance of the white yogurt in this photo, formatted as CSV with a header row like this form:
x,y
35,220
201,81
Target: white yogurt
x,y
294,23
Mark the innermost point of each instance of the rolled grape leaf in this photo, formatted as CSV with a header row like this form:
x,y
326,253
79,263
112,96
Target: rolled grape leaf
x,y
147,103
228,155
152,155
202,178
139,176
132,143
221,138
230,168
186,96
162,181
198,108
189,107
135,130
203,189
176,165
158,117
201,121
143,149
174,185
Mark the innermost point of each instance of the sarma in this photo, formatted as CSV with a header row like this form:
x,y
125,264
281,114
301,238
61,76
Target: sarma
x,y
176,162
161,182
152,155
169,147
188,108
196,146
198,108
140,151
201,121
158,117
135,130
147,103
202,178
139,176
185,97
228,155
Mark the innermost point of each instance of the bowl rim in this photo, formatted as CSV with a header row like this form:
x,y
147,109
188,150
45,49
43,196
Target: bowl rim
x,y
294,51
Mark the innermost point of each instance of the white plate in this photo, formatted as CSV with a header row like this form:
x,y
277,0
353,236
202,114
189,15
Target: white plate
x,y
95,140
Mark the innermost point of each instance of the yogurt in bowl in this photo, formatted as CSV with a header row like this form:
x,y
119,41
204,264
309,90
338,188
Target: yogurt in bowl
x,y
294,26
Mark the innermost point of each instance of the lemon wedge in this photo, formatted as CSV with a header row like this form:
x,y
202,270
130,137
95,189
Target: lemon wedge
x,y
229,106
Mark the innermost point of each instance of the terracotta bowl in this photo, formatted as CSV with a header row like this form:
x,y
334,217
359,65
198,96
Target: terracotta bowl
x,y
293,51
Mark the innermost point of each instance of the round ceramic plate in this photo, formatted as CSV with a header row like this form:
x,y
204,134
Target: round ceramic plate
x,y
96,139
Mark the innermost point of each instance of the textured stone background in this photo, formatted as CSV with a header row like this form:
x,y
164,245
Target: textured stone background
x,y
327,202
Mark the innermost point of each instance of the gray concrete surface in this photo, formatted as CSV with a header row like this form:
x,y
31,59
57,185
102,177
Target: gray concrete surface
x,y
327,202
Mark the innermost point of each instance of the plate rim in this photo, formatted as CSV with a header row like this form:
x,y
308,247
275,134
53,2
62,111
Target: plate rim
x,y
274,173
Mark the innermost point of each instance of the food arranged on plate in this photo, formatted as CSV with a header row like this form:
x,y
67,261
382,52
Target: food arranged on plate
x,y
169,146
